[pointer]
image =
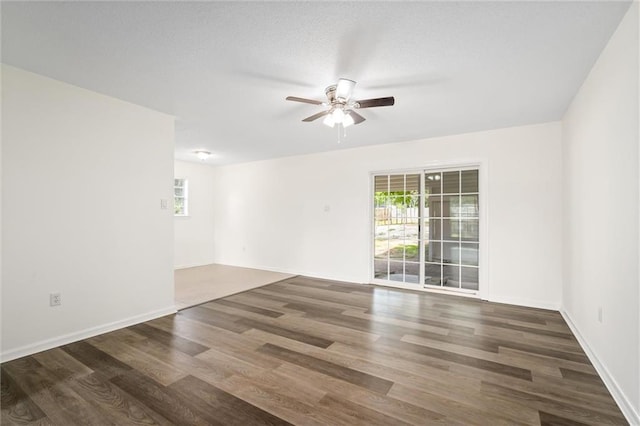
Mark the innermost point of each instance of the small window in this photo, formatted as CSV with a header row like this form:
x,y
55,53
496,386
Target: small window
x,y
180,197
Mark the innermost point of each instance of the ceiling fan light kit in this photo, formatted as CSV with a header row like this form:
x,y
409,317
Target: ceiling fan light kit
x,y
339,116
341,107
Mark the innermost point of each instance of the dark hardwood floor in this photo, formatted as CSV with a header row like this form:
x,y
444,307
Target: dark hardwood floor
x,y
313,352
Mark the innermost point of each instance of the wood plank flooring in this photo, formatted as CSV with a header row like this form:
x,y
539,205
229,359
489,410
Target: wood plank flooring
x,y
313,352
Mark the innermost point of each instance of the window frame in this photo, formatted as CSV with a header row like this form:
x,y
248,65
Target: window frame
x,y
184,196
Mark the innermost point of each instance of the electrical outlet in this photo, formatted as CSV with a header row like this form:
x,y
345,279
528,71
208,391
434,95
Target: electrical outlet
x,y
55,299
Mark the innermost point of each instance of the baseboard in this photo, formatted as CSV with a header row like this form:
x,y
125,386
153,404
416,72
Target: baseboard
x,y
191,265
529,303
82,334
313,275
632,416
293,272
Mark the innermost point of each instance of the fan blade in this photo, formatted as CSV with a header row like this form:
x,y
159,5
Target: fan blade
x,y
344,89
316,116
306,101
357,118
377,102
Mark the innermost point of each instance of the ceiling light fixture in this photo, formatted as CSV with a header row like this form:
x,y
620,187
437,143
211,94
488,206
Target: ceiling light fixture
x,y
202,154
338,116
347,120
329,121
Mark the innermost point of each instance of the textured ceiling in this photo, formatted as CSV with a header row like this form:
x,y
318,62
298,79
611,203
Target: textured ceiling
x,y
224,68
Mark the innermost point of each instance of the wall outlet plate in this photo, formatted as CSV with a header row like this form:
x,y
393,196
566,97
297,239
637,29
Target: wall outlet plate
x,y
55,299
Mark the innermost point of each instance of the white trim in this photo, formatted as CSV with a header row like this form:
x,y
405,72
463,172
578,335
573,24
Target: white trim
x,y
191,265
295,273
371,224
528,303
398,285
483,199
83,334
632,416
451,290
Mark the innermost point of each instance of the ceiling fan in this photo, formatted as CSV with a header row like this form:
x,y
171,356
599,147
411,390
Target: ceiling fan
x,y
341,106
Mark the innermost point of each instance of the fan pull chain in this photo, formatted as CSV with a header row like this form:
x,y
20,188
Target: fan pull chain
x,y
341,135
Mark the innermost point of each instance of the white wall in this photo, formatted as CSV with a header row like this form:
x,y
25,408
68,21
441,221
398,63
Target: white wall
x,y
83,176
271,214
193,234
600,163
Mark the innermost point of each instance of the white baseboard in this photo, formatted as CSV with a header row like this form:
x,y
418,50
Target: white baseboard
x,y
317,276
191,265
82,334
294,272
530,303
632,415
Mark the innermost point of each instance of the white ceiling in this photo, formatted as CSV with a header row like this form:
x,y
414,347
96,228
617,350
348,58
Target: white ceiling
x,y
224,68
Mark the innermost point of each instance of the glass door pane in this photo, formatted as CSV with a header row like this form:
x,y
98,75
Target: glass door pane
x,y
397,227
452,216
381,215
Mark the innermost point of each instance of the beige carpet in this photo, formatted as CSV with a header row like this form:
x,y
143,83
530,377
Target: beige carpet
x,y
203,283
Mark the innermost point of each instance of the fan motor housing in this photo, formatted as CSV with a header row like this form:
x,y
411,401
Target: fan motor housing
x,y
331,93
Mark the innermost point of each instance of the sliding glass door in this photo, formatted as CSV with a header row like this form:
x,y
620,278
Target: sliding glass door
x,y
426,229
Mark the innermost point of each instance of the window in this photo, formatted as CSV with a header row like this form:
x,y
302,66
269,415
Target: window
x,y
180,197
426,229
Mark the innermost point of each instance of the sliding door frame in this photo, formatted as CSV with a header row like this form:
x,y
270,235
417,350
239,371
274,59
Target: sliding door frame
x,y
483,197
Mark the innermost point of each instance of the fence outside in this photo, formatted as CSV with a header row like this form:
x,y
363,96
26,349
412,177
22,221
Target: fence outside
x,y
393,215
